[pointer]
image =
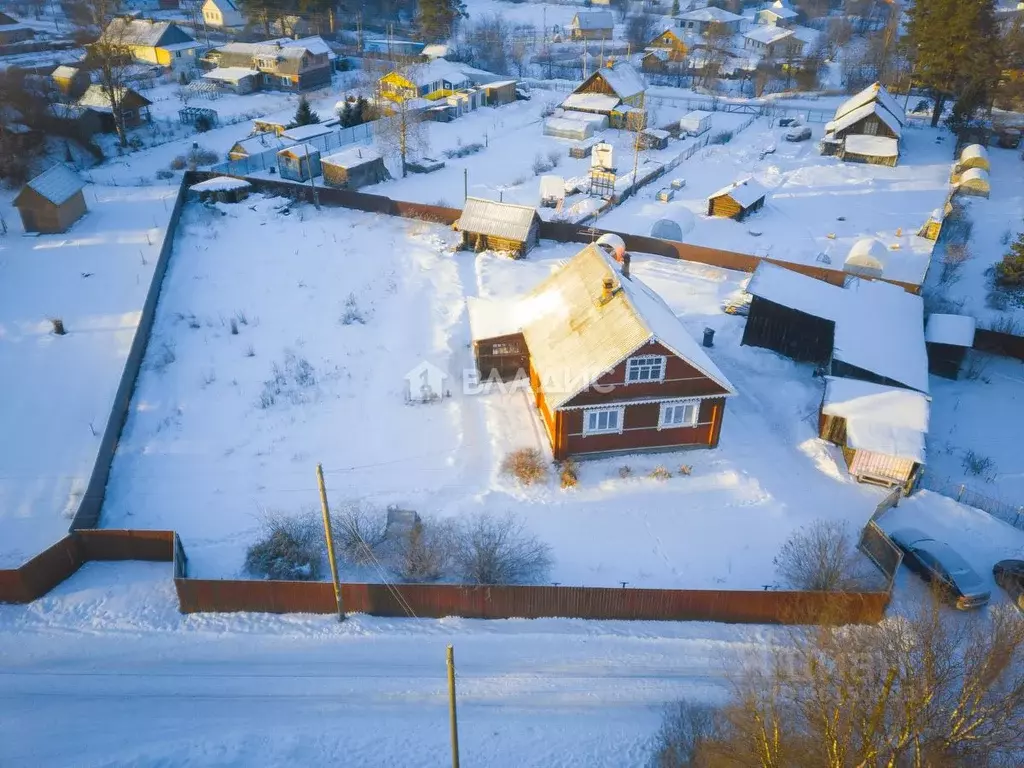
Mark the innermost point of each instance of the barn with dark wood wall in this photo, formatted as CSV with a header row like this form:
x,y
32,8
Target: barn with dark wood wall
x,y
738,200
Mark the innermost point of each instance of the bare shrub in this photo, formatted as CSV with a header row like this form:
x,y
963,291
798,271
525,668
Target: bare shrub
x,y
976,464
569,473
527,465
359,532
625,471
290,380
721,137
179,163
686,728
424,552
250,351
351,313
58,326
493,549
822,557
685,470
289,549
555,158
660,472
540,165
201,156
164,174
463,150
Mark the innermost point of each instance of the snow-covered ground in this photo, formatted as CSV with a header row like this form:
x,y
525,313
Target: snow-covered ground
x,y
57,390
205,451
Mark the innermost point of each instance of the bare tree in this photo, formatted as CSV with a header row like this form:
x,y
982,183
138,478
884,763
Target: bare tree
x,y
686,728
716,39
359,531
822,557
640,28
111,59
486,44
424,552
400,131
493,549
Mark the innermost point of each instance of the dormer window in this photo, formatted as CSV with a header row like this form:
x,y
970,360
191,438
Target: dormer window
x,y
646,368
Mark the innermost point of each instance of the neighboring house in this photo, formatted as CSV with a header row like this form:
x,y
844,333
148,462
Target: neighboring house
x,y
592,25
300,162
616,92
258,144
134,107
738,200
154,42
770,41
869,330
433,80
699,20
13,31
354,167
52,201
778,14
611,367
948,337
880,429
223,14
670,42
71,82
283,64
490,225
871,112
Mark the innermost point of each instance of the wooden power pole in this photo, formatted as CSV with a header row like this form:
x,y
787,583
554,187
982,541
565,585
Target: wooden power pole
x,y
330,539
451,707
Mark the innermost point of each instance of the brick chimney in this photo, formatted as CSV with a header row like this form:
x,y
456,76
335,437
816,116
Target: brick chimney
x,y
607,290
625,265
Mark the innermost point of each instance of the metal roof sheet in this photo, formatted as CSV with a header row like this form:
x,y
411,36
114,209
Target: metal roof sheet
x,y
57,184
489,217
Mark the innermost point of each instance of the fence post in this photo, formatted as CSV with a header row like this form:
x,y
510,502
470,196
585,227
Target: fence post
x,y
960,493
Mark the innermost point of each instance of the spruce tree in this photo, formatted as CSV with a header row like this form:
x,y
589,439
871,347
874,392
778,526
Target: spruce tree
x,y
362,110
305,115
345,115
955,44
675,7
1010,271
436,18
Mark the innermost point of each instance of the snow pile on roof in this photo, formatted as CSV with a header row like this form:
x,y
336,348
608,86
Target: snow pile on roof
x,y
590,20
261,142
353,157
879,327
596,102
955,330
64,72
623,78
873,93
875,108
488,217
768,34
888,420
873,146
552,187
491,318
220,184
691,121
746,192
710,14
229,74
57,184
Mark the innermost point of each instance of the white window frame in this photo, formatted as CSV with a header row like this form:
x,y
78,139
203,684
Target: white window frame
x,y
619,410
640,361
667,408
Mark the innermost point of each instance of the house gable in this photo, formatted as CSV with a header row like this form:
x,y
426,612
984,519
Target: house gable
x,y
172,36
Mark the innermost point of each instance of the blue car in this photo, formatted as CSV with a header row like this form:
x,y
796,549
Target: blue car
x,y
936,561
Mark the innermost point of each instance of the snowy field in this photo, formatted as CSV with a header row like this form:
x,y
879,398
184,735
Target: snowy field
x,y
815,205
57,390
226,425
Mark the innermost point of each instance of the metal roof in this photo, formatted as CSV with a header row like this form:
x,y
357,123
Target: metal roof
x,y
710,14
874,92
872,107
353,157
57,184
489,217
624,79
746,192
594,20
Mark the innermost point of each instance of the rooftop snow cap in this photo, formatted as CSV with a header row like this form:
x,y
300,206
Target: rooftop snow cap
x,y
613,245
867,257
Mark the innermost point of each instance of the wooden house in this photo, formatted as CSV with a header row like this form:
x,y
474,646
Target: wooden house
x,y
874,150
616,92
779,14
948,337
880,429
653,138
772,42
283,64
13,31
134,107
592,25
221,189
974,182
698,21
52,201
611,368
871,112
300,162
153,42
354,167
238,80
438,79
738,200
223,14
671,43
255,145
869,330
71,82
490,225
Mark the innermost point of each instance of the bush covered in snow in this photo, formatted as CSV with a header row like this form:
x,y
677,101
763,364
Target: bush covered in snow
x,y
424,552
527,465
289,548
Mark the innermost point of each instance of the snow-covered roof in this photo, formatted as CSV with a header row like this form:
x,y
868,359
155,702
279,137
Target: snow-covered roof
x,y
874,92
879,327
490,217
141,32
955,330
696,115
657,133
574,337
624,79
304,132
229,74
877,146
973,152
352,157
873,107
598,102
434,71
746,192
782,11
491,318
97,98
261,142
300,150
768,34
57,184
552,187
888,420
64,72
220,184
593,20
435,51
709,14
282,47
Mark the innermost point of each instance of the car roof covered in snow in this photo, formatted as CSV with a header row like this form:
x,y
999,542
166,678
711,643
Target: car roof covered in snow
x,y
489,217
955,330
874,92
56,184
889,420
879,327
746,192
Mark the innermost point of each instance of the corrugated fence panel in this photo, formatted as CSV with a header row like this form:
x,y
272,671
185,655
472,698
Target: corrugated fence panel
x,y
43,572
999,343
110,544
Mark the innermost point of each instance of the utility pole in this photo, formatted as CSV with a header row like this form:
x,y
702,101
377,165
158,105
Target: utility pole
x,y
330,540
451,707
465,184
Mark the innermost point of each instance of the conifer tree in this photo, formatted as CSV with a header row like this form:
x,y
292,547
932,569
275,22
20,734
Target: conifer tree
x,y
436,18
305,115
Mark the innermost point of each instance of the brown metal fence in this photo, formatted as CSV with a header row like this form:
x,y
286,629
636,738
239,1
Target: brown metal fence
x,y
999,343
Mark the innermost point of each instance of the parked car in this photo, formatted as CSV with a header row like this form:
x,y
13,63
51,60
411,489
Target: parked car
x,y
1009,574
803,133
788,122
937,561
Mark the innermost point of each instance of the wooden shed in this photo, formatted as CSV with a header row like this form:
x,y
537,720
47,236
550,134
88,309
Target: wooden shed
x,y
695,123
71,82
490,225
354,167
948,337
52,201
738,200
299,163
880,429
134,107
221,189
499,92
974,182
874,150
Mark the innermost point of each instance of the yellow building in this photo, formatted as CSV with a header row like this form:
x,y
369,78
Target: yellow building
x,y
434,80
152,42
671,42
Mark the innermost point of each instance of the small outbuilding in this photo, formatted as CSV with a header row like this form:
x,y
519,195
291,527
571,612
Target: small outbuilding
x,y
256,145
738,200
695,123
974,182
948,337
490,225
499,92
71,82
567,128
354,167
52,201
234,79
221,189
653,138
974,156
880,429
134,107
299,163
874,150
